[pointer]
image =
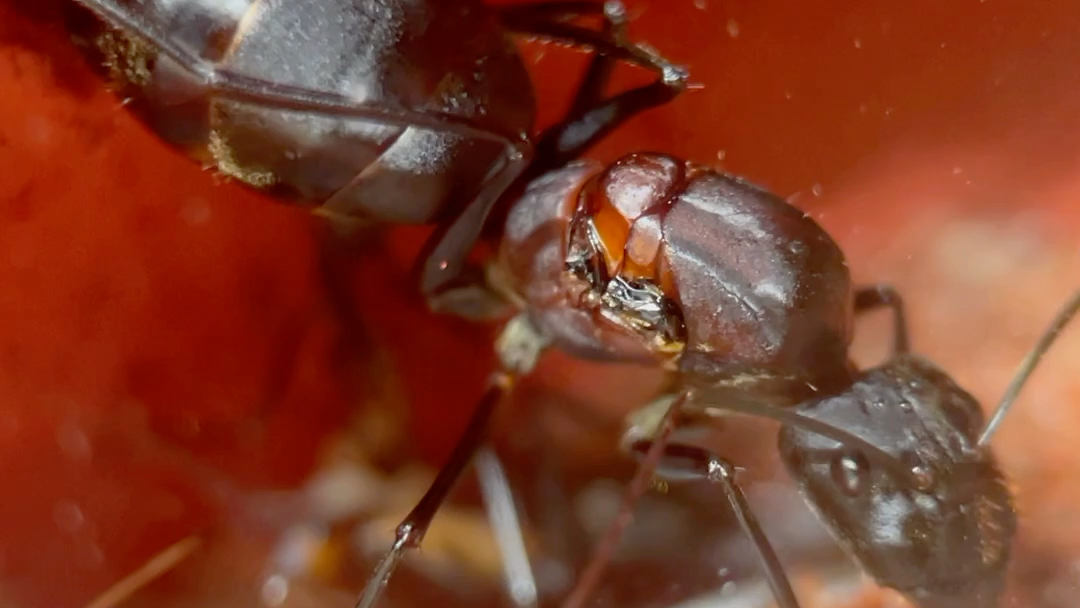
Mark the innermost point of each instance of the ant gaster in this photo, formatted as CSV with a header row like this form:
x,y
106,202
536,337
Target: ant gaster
x,y
388,111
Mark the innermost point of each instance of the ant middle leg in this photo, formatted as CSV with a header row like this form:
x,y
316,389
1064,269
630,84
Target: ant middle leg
x,y
876,296
682,462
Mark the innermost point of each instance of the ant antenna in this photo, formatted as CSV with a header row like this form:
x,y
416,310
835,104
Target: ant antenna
x,y
1028,365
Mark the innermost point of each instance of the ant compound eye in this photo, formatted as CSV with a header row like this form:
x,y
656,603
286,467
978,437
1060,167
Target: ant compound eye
x,y
850,472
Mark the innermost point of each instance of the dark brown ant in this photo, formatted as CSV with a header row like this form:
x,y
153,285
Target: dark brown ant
x,y
387,111
749,303
390,111
659,261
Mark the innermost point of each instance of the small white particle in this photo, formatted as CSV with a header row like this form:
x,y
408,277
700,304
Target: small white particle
x,y
275,590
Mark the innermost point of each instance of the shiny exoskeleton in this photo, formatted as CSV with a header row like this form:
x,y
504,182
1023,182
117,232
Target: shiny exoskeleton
x,y
388,111
942,535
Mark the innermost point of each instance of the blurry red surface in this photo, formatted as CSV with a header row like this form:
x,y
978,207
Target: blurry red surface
x,y
163,332
160,331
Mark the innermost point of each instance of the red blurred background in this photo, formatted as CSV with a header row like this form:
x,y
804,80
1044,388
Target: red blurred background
x,y
169,347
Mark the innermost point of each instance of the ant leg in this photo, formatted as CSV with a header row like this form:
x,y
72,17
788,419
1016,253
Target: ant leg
x,y
410,532
597,75
692,462
503,515
591,116
876,296
549,19
519,346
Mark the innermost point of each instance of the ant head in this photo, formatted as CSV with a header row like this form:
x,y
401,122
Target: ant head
x,y
657,256
938,528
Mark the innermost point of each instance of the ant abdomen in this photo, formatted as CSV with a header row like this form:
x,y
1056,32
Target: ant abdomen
x,y
656,259
371,53
938,528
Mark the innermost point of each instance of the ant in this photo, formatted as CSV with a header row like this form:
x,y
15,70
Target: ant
x,y
660,261
750,306
938,529
376,111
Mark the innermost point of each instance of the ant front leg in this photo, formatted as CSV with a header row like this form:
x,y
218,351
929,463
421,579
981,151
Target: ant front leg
x,y
686,462
876,296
